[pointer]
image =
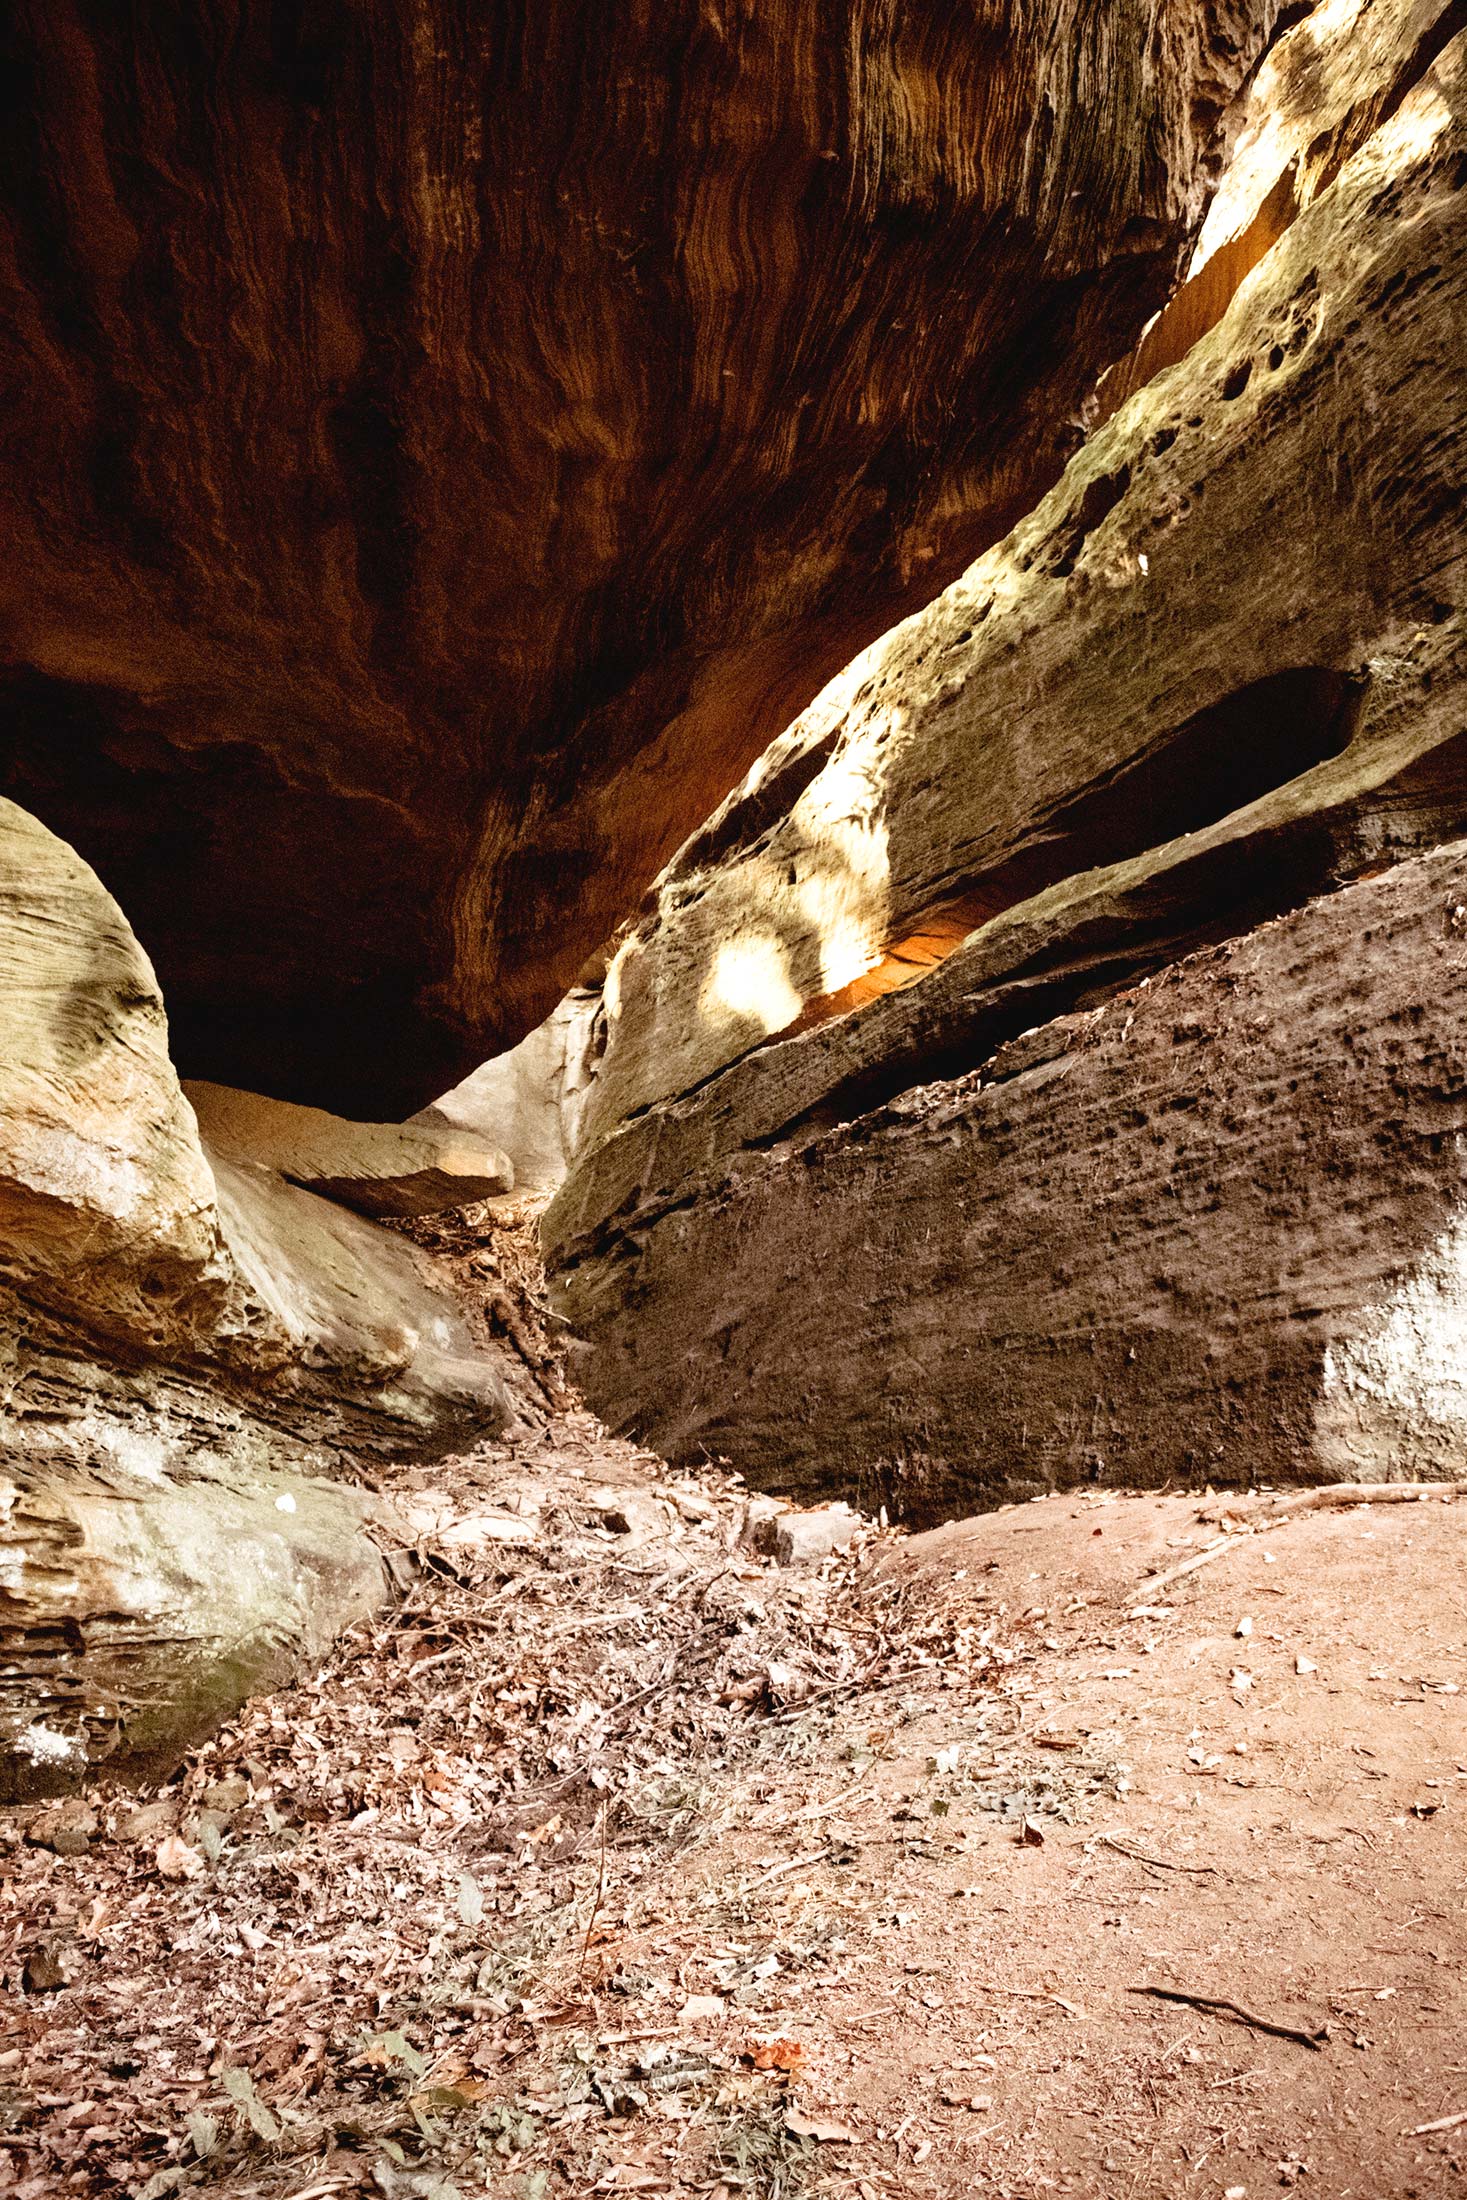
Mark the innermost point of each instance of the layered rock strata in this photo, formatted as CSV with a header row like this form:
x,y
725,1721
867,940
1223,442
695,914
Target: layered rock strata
x,y
1241,605
194,1357
443,447
381,1169
1213,1230
1218,672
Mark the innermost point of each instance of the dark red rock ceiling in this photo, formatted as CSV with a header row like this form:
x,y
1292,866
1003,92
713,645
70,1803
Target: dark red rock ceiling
x,y
442,443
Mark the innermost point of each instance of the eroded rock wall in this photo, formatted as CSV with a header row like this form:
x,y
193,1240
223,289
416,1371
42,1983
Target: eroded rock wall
x,y
933,1150
442,447
195,1359
1211,1230
1241,607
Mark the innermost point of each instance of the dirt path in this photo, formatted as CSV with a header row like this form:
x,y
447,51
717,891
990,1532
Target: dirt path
x,y
616,1859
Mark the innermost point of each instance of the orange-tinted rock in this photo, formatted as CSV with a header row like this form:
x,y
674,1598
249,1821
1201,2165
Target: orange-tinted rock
x,y
442,447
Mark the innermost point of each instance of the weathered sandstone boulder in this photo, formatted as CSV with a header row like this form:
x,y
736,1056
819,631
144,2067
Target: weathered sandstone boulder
x,y
1009,1085
377,1168
532,1098
1211,1230
443,446
106,1201
191,1359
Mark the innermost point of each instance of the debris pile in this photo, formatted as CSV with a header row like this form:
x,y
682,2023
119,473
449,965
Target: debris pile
x,y
356,1910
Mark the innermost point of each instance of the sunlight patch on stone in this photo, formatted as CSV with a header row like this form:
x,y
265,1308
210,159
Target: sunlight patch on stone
x,y
749,980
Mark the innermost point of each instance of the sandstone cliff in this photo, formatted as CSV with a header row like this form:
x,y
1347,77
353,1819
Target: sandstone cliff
x,y
443,448
1219,671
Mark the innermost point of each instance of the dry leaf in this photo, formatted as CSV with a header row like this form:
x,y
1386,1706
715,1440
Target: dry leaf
x,y
176,1860
777,2054
806,2127
445,2094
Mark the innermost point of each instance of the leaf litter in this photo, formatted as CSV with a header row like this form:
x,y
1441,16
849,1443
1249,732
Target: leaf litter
x,y
365,1939
534,1889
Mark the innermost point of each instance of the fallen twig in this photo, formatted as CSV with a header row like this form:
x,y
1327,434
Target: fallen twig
x,y
1366,1493
1442,2123
1283,1508
600,1896
648,2032
1215,2007
823,1810
1203,1557
794,1863
1144,1856
1027,1993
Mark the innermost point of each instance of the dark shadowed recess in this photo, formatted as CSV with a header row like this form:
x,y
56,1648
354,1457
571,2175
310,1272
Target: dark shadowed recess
x,y
1253,741
1221,760
224,832
443,446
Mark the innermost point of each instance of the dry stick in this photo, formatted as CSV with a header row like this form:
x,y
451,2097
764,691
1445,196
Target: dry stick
x,y
600,1893
1018,1993
1218,2008
1144,1856
823,1810
1367,1493
1282,1508
1200,1558
777,1871
648,2032
1443,2123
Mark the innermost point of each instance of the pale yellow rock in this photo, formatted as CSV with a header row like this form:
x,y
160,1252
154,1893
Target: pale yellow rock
x,y
530,1100
194,1359
103,1183
377,1168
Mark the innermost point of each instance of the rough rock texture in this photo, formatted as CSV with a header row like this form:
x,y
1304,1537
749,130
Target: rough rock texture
x,y
187,1355
139,1606
443,446
1213,1229
531,1099
1220,670
1241,608
104,1193
1323,89
377,1168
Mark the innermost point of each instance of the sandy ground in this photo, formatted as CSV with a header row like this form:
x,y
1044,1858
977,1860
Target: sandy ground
x,y
617,1859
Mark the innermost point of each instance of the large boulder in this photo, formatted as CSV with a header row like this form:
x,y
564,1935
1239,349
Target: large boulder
x,y
381,1169
193,1360
106,1200
444,445
1212,1230
937,1144
533,1097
